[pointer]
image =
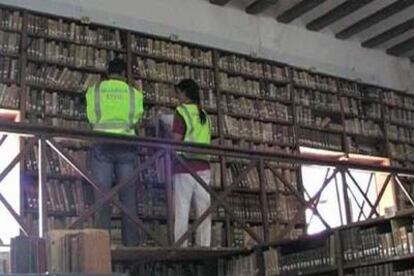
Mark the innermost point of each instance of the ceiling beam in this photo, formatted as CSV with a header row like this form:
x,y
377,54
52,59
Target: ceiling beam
x,y
219,2
337,13
259,6
389,34
374,18
297,10
402,47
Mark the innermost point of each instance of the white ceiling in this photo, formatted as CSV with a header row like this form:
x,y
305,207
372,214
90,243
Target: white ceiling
x,y
337,26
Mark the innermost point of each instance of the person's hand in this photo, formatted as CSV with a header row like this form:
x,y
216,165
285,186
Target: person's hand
x,y
163,110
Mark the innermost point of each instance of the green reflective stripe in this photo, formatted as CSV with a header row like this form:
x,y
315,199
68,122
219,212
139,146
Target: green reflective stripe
x,y
190,121
111,125
98,111
131,105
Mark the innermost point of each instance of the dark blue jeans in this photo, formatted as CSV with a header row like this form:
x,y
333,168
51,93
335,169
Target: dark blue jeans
x,y
109,164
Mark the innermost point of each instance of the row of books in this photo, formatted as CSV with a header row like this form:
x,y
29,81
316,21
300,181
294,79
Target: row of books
x,y
304,261
11,20
70,54
348,88
9,96
402,151
241,65
152,202
352,106
317,99
274,92
78,33
372,244
372,148
238,266
398,100
239,85
275,184
244,206
55,104
60,78
399,133
163,71
55,165
260,109
363,127
252,179
165,94
314,81
371,93
237,64
66,197
166,269
372,110
9,42
171,50
307,116
56,122
320,139
256,131
283,207
381,269
9,69
406,164
399,116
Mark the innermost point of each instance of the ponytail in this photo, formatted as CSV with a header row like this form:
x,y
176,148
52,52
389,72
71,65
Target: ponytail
x,y
203,115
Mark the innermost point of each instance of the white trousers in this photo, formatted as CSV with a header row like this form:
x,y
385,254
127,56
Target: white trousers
x,y
186,188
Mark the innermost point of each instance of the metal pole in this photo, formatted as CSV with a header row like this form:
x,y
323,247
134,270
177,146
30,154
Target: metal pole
x,y
380,195
406,193
169,193
42,178
263,201
348,207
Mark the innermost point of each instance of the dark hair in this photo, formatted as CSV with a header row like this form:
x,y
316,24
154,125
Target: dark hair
x,y
117,66
192,92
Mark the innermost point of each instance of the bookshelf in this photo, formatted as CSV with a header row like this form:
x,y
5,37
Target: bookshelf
x,y
378,247
254,104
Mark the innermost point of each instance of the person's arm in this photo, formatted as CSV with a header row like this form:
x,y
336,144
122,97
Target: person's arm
x,y
139,105
90,104
178,128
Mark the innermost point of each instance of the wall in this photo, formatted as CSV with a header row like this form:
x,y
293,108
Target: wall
x,y
230,28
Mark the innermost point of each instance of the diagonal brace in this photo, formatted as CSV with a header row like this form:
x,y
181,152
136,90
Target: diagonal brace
x,y
106,197
216,197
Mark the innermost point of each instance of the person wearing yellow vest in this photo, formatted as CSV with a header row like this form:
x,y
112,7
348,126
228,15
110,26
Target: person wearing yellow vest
x,y
191,124
115,107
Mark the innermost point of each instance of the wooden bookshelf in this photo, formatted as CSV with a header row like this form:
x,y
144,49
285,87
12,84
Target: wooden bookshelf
x,y
364,242
320,109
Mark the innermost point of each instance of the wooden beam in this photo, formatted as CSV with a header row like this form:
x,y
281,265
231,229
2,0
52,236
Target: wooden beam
x,y
219,2
337,13
298,10
374,18
402,47
389,34
259,6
